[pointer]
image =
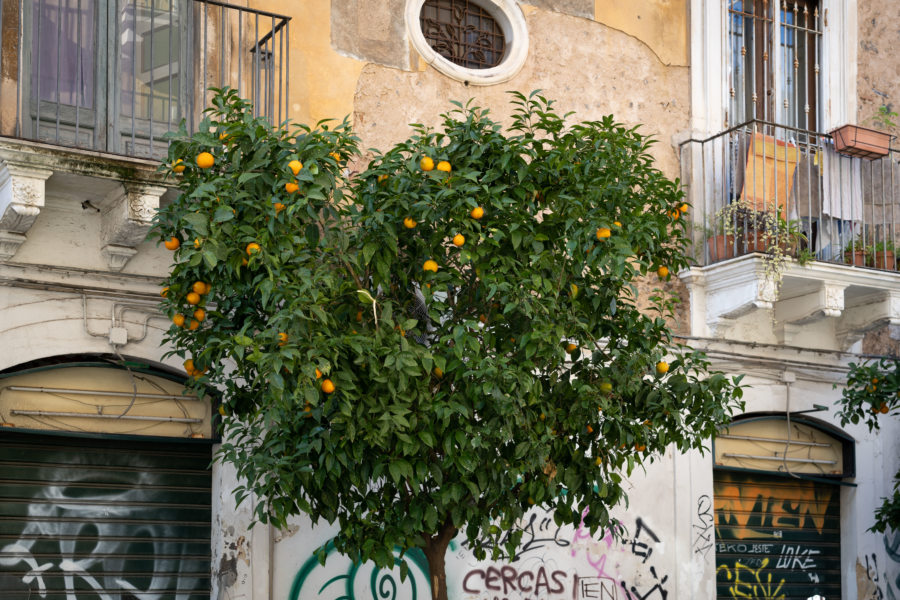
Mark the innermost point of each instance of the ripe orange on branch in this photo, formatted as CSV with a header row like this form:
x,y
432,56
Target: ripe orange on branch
x,y
430,265
295,166
173,243
477,213
603,233
426,164
205,160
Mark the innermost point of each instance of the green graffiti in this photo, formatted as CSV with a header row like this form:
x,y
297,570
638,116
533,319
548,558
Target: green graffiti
x,y
382,584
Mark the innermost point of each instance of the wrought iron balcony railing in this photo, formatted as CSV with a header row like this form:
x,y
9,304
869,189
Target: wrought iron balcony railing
x,y
760,177
116,75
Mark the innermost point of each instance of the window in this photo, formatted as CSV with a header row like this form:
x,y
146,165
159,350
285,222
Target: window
x,y
463,33
774,50
481,42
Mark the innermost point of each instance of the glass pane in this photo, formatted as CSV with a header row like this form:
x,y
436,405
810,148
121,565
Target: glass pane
x,y
62,44
150,64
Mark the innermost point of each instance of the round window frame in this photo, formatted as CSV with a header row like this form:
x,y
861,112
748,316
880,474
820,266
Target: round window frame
x,y
515,31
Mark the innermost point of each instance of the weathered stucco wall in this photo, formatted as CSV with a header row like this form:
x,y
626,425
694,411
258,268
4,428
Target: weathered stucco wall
x,y
878,69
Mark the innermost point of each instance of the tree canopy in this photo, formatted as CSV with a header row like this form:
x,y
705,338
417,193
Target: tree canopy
x,y
872,393
443,340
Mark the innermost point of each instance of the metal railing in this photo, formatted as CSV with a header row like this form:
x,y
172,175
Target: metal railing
x,y
116,75
792,184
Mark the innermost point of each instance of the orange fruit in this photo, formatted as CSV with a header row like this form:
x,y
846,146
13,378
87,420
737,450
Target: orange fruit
x,y
444,166
570,348
205,160
382,178
590,429
573,290
543,416
197,243
438,372
200,314
208,289
178,166
223,136
640,447
675,214
327,386
178,319
684,208
530,500
426,164
282,339
318,373
477,213
173,243
606,387
199,287
290,187
164,292
603,233
598,461
662,367
459,239
295,166
663,272
193,298
884,409
279,207
335,156
409,222
252,248
222,410
189,366
430,265
617,224
194,324
482,318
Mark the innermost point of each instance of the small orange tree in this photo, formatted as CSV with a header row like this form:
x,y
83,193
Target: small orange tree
x,y
872,393
447,338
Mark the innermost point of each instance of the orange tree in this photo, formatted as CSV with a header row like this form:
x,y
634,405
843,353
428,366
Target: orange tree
x,y
441,341
872,393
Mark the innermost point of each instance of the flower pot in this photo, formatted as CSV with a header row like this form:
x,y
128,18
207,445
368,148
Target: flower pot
x,y
885,260
861,142
720,247
856,258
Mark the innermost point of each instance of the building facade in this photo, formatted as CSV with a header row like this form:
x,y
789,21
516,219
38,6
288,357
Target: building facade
x,y
106,486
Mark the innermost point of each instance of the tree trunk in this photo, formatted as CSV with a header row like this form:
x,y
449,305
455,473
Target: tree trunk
x,y
436,551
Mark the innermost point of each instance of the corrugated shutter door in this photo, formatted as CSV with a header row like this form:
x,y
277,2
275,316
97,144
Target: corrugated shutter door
x,y
776,537
104,519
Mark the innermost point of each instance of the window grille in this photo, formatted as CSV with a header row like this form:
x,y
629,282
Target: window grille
x,y
463,32
775,49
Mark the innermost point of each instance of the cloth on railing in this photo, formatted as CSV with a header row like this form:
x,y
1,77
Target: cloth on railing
x,y
841,186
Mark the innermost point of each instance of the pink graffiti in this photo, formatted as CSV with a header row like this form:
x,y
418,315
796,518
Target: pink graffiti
x,y
598,559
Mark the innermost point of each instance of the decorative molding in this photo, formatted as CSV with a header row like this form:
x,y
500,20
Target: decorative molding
x,y
827,300
127,215
117,256
9,244
21,200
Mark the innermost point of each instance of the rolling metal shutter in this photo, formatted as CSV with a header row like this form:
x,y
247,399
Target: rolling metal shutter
x,y
101,519
776,537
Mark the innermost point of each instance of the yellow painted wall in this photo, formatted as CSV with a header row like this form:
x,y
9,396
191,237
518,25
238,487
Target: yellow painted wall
x,y
323,82
661,24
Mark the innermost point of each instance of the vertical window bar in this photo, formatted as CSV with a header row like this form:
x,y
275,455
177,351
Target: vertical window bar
x,y
133,74
280,65
58,70
256,51
180,68
79,78
152,66
205,50
240,45
287,66
270,63
222,20
38,19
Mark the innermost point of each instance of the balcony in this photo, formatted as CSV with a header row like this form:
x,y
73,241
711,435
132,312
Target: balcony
x,y
840,279
116,75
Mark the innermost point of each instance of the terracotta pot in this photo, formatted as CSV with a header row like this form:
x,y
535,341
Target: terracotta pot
x,y
720,247
861,142
856,258
885,260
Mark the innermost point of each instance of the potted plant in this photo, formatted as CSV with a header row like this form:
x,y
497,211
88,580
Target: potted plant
x,y
719,245
762,231
882,255
855,253
862,142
